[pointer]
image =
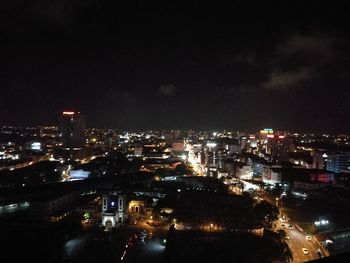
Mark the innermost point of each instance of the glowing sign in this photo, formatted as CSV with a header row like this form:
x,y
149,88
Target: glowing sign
x,y
281,136
35,146
79,174
266,131
211,144
270,136
68,113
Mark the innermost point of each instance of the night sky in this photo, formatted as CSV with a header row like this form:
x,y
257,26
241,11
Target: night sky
x,y
241,66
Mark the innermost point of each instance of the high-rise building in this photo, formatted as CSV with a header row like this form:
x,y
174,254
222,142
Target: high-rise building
x,y
278,145
263,135
211,159
169,138
73,125
253,141
338,162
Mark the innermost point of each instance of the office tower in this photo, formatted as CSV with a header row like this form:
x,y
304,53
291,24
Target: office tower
x,y
278,145
263,134
73,125
211,159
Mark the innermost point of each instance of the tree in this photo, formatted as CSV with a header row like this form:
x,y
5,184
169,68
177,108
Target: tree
x,y
266,212
282,234
286,254
275,249
247,197
169,254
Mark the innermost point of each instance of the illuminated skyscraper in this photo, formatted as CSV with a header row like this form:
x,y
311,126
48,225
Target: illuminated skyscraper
x,y
278,145
263,135
73,125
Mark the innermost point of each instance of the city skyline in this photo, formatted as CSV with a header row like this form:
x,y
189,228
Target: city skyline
x,y
174,132
98,183
202,67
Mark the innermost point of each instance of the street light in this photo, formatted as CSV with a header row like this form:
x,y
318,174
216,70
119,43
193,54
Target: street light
x,y
277,201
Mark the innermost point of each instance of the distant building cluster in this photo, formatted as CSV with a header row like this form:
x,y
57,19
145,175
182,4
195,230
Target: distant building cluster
x,y
267,155
73,152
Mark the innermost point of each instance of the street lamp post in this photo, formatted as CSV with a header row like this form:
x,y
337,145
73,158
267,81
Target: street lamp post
x,y
277,201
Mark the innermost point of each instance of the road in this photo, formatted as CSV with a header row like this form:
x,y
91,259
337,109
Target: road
x,y
298,241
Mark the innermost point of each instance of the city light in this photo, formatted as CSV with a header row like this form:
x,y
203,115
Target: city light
x,y
321,222
143,134
211,144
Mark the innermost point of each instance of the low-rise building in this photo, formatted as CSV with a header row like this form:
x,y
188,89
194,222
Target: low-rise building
x,y
287,176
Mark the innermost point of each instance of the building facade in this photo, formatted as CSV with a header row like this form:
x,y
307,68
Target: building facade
x,y
338,162
113,209
73,125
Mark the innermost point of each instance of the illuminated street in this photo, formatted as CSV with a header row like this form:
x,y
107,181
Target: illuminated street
x,y
197,168
298,241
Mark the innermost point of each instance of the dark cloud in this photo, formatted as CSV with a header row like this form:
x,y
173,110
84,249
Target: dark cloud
x,y
311,44
119,96
54,11
121,105
300,59
219,66
279,80
247,58
167,90
244,88
306,51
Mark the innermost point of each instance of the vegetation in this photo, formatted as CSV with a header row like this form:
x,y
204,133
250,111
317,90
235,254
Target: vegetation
x,y
266,212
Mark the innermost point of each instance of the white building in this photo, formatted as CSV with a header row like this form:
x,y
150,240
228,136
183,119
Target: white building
x,y
113,210
270,176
